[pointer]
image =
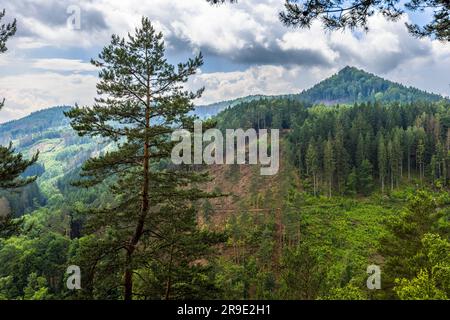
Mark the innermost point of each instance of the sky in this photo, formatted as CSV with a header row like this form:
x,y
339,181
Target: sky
x,y
245,47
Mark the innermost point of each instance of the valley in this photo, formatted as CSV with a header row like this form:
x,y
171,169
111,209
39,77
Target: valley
x,y
348,174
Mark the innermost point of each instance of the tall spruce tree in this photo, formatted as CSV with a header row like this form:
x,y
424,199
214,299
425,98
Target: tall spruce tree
x,y
365,179
409,142
341,155
329,163
382,161
420,158
12,165
141,101
312,162
391,162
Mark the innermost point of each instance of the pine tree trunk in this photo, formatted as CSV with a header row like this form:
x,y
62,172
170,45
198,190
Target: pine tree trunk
x,y
169,278
128,278
145,204
409,167
401,169
329,187
392,181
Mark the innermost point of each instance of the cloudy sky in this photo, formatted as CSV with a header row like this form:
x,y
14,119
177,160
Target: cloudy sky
x,y
246,49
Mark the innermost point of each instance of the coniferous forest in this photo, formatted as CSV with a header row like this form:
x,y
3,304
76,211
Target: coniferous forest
x,y
363,184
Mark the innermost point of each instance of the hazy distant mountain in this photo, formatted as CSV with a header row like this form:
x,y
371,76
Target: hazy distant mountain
x,y
205,111
348,86
34,124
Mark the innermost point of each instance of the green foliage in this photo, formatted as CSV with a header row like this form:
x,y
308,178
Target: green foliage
x,y
338,15
433,274
352,183
408,250
387,142
32,267
36,288
351,85
423,287
349,292
150,223
314,241
302,274
6,30
365,177
11,165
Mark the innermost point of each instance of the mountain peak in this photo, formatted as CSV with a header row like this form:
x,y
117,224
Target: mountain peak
x,y
354,71
351,85
348,68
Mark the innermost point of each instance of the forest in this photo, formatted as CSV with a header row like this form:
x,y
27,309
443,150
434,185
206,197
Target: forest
x,y
364,180
370,177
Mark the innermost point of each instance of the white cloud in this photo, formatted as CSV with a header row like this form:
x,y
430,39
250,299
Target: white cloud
x,y
272,59
74,65
267,80
33,84
29,92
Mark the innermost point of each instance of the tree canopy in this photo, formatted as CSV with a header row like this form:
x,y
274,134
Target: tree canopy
x,y
339,15
141,101
11,165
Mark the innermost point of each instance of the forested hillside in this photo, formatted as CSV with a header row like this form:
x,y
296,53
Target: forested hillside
x,y
359,184
35,125
348,86
333,147
207,111
130,189
351,85
61,152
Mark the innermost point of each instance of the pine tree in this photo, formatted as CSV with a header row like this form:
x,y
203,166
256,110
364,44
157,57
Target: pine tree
x,y
382,161
398,150
409,141
312,162
141,101
329,163
420,155
392,164
441,162
433,165
352,182
447,154
180,271
6,30
395,158
365,179
360,150
12,165
341,156
339,15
